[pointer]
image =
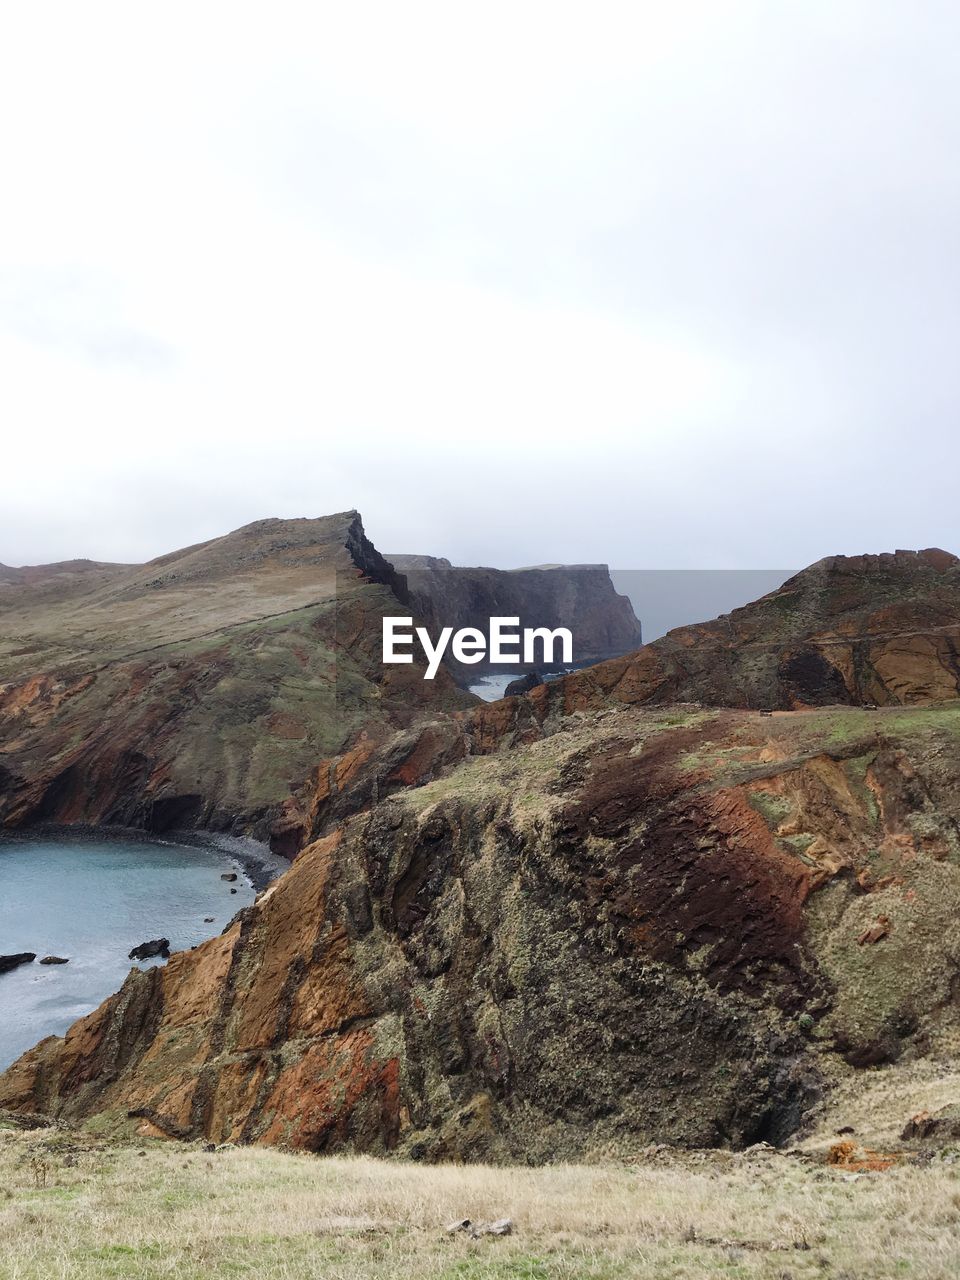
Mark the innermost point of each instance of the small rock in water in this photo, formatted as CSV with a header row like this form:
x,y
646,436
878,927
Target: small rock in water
x,y
147,950
55,960
523,684
233,891
228,875
208,919
13,961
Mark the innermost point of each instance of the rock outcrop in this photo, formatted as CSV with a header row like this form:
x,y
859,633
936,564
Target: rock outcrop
x,y
881,629
640,925
579,597
523,684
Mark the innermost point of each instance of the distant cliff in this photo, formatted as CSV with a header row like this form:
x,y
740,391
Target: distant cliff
x,y
580,597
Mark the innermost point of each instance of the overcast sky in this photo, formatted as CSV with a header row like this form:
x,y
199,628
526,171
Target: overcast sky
x,y
665,285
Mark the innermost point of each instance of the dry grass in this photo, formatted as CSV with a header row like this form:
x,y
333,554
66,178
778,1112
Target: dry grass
x,y
72,1207
877,1103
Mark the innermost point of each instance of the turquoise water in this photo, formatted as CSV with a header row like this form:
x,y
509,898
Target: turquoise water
x,y
93,900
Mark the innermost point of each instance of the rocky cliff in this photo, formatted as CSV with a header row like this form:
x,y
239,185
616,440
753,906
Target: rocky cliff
x,y
879,629
198,689
678,925
568,922
580,597
201,689
863,631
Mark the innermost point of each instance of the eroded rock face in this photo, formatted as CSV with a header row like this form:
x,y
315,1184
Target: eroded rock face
x,y
640,926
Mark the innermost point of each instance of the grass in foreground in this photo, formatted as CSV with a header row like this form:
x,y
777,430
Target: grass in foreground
x,y
73,1207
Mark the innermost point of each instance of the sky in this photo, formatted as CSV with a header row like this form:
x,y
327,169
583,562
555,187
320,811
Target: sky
x,y
660,285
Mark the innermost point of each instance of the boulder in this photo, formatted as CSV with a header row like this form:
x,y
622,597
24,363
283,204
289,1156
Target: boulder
x,y
502,1227
228,875
55,960
942,1125
14,961
523,684
147,950
876,932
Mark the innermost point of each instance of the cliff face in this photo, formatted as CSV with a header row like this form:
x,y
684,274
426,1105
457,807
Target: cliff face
x,y
580,597
201,688
851,629
643,925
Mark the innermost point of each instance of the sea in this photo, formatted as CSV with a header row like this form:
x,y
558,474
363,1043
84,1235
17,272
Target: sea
x,y
92,900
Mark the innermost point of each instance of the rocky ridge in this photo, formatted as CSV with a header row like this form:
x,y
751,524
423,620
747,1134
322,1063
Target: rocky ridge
x,y
577,920
199,689
849,630
644,926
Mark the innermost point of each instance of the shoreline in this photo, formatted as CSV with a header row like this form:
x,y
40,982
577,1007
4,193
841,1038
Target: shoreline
x,y
257,861
258,864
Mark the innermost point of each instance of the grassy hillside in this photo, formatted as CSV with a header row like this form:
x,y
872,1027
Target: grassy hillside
x,y
202,689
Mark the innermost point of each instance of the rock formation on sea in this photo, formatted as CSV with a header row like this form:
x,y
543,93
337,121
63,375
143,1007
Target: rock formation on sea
x,y
579,921
149,950
579,597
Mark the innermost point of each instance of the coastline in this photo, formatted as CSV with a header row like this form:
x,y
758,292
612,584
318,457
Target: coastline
x,y
252,858
255,859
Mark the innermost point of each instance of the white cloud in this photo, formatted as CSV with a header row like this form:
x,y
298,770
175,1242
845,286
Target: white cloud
x,y
655,284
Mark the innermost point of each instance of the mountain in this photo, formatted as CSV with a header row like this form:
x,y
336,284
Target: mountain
x,y
566,923
198,689
579,597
